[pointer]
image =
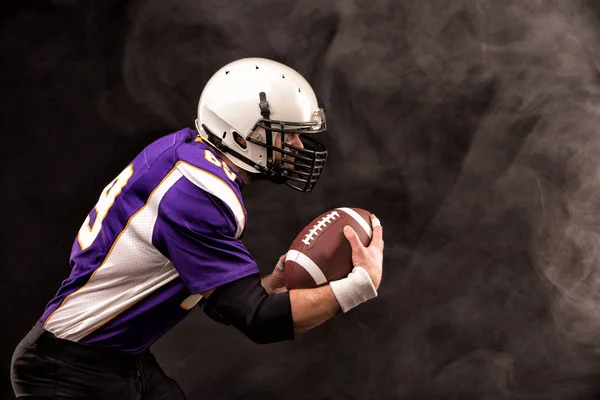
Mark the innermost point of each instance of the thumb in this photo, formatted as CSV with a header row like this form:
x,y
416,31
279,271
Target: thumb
x,y
352,237
281,262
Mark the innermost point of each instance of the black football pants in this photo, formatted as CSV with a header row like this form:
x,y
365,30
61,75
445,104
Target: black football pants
x,y
45,367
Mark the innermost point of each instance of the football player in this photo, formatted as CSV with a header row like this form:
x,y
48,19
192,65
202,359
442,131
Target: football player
x,y
165,236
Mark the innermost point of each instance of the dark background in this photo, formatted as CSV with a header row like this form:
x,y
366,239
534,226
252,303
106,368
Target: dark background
x,y
468,126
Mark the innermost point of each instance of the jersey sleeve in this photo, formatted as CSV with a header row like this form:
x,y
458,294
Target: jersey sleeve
x,y
199,232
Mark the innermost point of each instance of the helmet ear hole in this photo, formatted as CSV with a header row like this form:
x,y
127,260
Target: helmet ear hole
x,y
240,141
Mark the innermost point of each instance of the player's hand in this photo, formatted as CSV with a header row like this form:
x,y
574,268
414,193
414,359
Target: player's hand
x,y
371,257
278,276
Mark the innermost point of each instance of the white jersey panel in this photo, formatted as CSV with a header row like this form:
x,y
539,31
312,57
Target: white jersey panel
x,y
133,269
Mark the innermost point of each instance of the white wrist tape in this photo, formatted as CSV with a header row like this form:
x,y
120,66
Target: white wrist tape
x,y
353,290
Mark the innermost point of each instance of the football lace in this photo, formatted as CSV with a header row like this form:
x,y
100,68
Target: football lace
x,y
319,227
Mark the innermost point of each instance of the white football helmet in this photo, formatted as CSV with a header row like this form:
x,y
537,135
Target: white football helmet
x,y
254,99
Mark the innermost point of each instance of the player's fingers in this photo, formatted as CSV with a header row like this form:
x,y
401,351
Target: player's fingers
x,y
377,239
352,238
281,262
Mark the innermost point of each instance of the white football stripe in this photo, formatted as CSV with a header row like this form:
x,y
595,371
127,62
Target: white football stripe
x,y
365,225
308,264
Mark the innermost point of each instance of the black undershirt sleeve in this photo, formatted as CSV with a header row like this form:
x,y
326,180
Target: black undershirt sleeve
x,y
245,304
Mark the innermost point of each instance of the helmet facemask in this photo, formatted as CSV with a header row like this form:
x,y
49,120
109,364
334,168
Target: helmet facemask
x,y
297,167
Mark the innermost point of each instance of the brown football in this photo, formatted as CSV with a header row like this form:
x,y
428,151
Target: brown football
x,y
321,253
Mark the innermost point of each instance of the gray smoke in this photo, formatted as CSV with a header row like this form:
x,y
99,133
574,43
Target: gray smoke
x,y
469,128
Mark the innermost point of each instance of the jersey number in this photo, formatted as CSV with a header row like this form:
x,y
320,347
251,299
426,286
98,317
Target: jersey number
x,y
210,157
87,233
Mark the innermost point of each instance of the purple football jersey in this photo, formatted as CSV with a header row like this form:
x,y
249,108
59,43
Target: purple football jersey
x,y
164,230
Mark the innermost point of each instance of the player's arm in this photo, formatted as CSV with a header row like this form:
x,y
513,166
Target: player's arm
x,y
266,318
199,233
312,307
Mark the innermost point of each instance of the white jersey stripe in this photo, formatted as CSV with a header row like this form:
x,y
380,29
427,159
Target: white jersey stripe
x,y
365,225
133,269
308,264
215,186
